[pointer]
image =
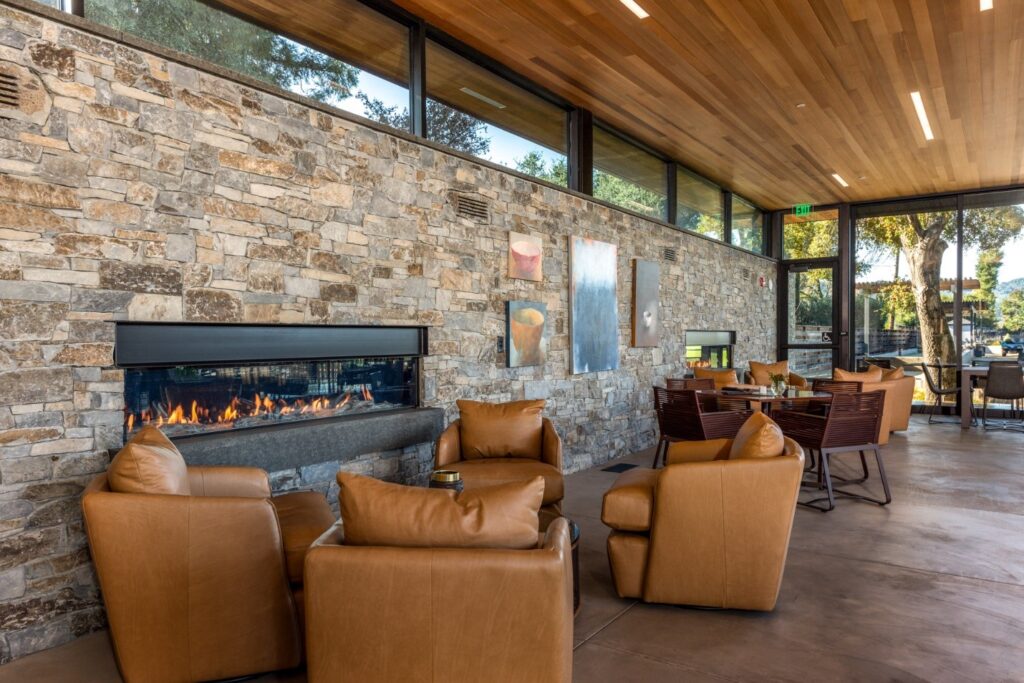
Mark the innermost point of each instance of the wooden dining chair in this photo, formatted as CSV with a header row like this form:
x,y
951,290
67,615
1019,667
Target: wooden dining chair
x,y
677,383
853,423
682,416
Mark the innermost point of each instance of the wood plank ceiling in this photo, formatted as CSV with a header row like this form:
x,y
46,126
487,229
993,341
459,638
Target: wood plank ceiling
x,y
770,97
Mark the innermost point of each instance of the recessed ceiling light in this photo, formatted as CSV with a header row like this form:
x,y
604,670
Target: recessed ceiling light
x,y
482,98
986,5
800,105
862,177
839,179
922,115
636,9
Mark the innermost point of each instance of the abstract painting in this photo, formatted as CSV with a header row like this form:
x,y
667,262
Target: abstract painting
x,y
593,305
524,329
645,303
525,257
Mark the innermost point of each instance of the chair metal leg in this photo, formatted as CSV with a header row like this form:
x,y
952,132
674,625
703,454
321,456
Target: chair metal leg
x,y
864,469
657,451
881,475
824,481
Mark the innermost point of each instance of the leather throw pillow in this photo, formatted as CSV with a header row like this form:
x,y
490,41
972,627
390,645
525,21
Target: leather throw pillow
x,y
500,430
149,463
383,514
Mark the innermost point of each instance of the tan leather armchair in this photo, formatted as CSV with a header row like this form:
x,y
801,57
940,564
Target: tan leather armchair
x,y
485,471
899,399
439,614
197,587
760,374
704,530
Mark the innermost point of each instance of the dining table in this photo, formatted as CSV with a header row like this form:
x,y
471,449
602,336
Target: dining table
x,y
766,402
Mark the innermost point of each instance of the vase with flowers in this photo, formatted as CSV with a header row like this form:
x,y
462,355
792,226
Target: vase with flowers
x,y
778,384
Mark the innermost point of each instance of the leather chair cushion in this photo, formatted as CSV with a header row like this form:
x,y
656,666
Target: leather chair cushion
x,y
890,373
872,374
762,372
149,463
723,378
629,503
759,437
501,430
476,473
627,555
303,516
378,513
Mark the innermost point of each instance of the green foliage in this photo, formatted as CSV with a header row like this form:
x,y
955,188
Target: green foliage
x,y
811,239
197,29
1012,307
533,164
445,125
627,194
898,305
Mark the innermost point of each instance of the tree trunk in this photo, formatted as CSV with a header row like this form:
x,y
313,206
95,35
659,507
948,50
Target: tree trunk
x,y
925,261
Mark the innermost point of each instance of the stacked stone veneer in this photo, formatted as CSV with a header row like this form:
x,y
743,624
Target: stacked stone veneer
x,y
143,189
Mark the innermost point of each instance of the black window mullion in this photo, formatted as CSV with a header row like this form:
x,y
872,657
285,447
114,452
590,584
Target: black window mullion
x,y
671,209
581,151
418,79
727,216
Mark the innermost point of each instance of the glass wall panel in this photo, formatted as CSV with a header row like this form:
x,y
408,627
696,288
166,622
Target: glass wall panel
x,y
475,111
810,363
815,235
747,225
905,287
698,204
810,305
370,78
993,284
627,176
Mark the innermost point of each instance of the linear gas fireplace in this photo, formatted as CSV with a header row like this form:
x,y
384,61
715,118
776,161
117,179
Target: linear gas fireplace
x,y
196,379
709,348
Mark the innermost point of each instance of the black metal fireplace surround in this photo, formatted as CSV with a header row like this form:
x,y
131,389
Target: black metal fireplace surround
x,y
276,396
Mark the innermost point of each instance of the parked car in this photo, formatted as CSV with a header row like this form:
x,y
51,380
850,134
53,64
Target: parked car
x,y
1012,346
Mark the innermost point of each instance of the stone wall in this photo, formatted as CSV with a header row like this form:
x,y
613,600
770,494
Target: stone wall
x,y
138,188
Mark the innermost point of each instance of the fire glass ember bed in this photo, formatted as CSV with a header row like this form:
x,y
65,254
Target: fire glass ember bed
x,y
187,400
197,379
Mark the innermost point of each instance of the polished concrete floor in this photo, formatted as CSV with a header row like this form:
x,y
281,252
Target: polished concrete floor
x,y
930,588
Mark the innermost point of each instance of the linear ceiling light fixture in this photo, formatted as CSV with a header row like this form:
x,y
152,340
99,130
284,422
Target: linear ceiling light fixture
x,y
839,179
922,115
986,5
482,98
636,9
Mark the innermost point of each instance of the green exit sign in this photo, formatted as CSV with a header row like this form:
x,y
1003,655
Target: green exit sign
x,y
801,209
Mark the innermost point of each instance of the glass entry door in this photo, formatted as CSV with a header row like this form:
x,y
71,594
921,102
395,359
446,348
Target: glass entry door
x,y
809,337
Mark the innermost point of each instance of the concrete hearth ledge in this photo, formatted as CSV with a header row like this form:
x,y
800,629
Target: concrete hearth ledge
x,y
315,441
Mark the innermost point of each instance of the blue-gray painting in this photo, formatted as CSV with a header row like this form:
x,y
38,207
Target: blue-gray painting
x,y
593,305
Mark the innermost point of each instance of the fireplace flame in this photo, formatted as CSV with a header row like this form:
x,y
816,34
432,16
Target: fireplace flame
x,y
257,410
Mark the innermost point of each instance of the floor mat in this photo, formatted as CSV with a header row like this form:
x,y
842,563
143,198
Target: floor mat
x,y
620,467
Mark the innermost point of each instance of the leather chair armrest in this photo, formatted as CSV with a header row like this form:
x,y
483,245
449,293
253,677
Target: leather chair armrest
x,y
241,482
798,381
195,588
698,451
551,446
449,446
748,377
373,613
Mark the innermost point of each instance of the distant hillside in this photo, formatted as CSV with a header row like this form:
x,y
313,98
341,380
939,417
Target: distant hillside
x,y
1004,288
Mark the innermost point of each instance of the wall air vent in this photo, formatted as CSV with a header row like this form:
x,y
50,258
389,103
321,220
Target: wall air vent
x,y
9,92
669,254
472,207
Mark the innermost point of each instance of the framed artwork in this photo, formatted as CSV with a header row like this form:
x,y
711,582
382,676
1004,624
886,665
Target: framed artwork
x,y
646,326
593,305
524,329
525,257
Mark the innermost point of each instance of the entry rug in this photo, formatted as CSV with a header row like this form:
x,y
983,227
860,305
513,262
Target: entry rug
x,y
620,467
